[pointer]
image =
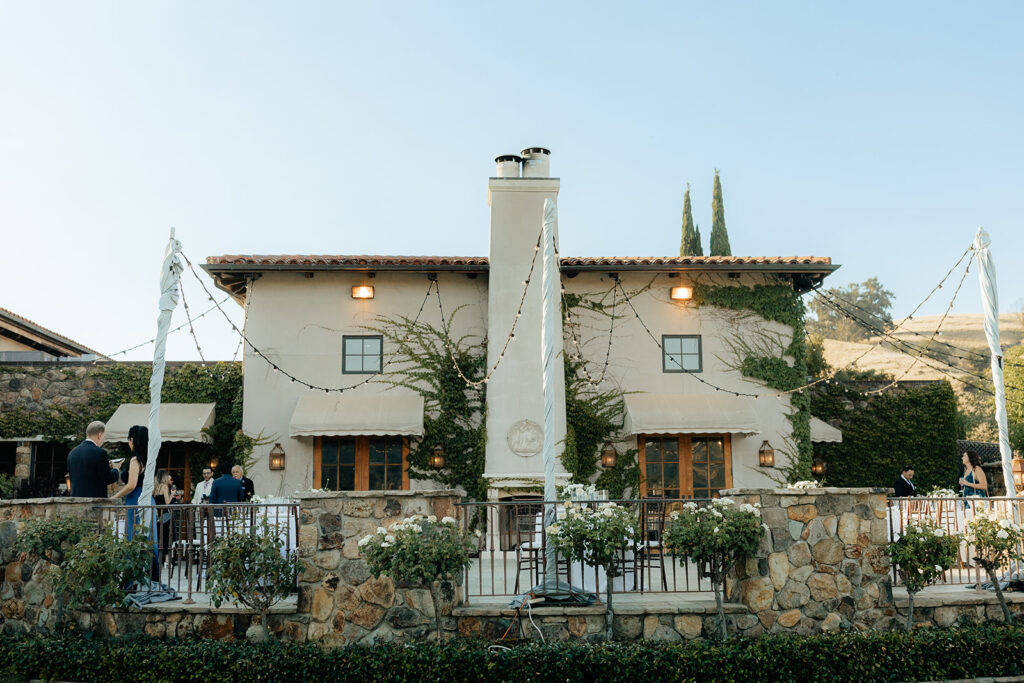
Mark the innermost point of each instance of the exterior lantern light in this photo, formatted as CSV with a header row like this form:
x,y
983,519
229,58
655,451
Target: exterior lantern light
x,y
766,455
213,464
277,457
681,293
437,459
1018,473
608,457
362,292
818,466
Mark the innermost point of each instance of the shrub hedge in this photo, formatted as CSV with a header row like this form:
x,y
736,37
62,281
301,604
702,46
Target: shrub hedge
x,y
925,654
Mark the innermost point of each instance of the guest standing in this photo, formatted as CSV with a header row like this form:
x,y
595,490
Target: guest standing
x,y
248,489
974,482
88,466
904,487
202,494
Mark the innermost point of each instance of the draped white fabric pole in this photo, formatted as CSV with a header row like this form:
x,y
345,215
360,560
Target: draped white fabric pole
x,y
550,285
170,272
990,302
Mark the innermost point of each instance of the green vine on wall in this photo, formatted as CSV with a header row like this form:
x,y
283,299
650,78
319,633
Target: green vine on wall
x,y
219,383
777,303
453,411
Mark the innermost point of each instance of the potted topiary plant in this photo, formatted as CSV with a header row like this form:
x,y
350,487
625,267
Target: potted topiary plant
x,y
716,538
99,568
253,569
997,542
922,555
420,551
596,536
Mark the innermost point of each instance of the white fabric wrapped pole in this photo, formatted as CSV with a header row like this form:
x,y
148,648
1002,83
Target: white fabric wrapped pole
x,y
170,272
550,285
990,302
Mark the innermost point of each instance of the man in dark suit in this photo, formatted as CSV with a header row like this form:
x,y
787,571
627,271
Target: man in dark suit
x,y
248,489
904,487
225,489
88,465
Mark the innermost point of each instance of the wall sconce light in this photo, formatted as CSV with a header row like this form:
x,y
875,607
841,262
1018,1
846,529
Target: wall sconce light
x,y
818,466
766,455
681,293
362,292
213,465
609,457
437,458
277,457
1018,473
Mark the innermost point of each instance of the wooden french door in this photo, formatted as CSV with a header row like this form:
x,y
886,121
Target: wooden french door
x,y
685,465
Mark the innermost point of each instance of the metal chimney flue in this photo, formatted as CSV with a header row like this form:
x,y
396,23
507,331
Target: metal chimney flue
x,y
508,165
536,162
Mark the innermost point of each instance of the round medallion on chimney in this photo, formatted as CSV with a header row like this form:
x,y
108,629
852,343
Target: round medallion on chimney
x,y
536,162
508,165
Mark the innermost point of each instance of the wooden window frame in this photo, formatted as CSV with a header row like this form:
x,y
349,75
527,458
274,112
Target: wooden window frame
x,y
700,354
685,451
344,356
362,467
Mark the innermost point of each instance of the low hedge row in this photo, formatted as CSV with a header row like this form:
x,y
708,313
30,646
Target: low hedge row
x,y
927,654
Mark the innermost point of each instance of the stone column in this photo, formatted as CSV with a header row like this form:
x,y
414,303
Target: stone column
x,y
23,462
822,564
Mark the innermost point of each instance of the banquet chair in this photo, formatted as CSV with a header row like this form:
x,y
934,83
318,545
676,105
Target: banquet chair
x,y
651,555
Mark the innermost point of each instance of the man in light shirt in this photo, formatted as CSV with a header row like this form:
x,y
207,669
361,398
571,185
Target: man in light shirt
x,y
202,494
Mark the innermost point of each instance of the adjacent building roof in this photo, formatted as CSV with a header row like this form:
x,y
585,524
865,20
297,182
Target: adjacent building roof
x,y
24,331
231,270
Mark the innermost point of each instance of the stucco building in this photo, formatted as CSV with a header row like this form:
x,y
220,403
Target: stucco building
x,y
696,421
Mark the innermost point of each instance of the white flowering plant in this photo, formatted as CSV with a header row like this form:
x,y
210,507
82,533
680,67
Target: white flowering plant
x,y
597,536
420,550
805,484
715,537
922,554
578,492
997,542
937,492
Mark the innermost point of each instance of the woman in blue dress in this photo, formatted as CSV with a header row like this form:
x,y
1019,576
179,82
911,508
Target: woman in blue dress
x,y
973,483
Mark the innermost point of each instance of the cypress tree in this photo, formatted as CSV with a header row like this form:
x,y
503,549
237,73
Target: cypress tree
x,y
691,243
700,247
719,235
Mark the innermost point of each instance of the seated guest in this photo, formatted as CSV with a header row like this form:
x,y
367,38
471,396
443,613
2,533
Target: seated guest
x,y
904,487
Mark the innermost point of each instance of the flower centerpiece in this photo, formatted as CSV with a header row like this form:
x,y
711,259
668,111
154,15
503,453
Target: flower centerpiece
x,y
922,555
596,536
806,484
579,492
422,551
937,492
997,541
715,537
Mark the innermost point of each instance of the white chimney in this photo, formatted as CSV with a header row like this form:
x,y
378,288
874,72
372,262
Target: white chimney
x,y
536,162
515,396
508,165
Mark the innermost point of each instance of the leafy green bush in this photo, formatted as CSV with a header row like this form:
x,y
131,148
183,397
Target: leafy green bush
x,y
924,654
715,538
252,569
922,555
7,486
98,568
997,542
51,534
917,427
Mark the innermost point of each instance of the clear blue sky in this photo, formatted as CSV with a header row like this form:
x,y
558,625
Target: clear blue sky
x,y
880,134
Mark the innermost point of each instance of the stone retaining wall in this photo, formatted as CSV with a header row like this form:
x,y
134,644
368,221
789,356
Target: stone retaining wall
x,y
822,564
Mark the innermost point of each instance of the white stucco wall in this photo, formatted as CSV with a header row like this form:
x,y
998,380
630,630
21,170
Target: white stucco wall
x,y
300,321
635,362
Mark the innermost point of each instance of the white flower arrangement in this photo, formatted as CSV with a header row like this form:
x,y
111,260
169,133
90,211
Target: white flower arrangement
x,y
941,493
806,484
579,492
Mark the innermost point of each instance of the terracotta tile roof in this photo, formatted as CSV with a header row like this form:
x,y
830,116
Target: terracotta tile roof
x,y
57,344
482,261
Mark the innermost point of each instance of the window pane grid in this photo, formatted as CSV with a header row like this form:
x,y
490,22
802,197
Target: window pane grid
x,y
362,354
681,353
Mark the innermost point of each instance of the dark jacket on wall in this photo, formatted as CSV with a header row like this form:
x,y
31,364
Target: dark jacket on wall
x,y
90,471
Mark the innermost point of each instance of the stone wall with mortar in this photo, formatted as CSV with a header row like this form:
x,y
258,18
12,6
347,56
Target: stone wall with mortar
x,y
345,603
822,564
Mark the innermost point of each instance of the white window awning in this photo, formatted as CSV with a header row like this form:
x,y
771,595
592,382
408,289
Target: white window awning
x,y
690,414
373,415
823,432
178,421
